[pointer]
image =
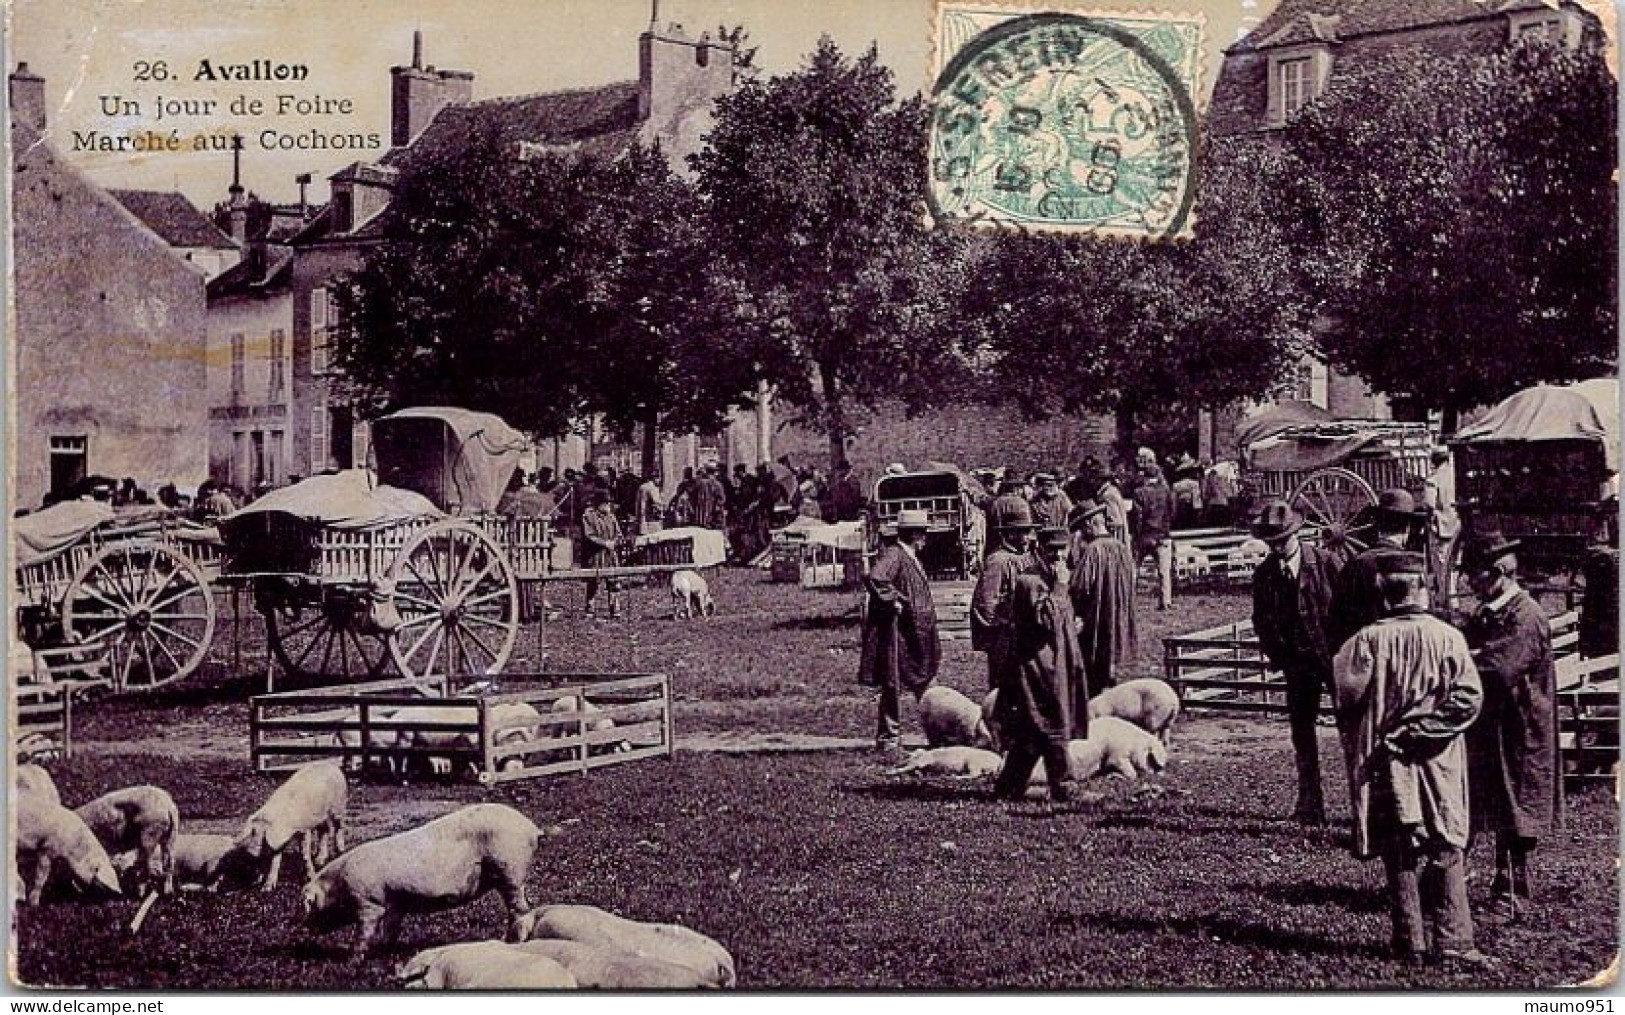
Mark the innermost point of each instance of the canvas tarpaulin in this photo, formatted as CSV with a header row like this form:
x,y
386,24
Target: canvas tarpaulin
x,y
49,531
344,500
1272,419
1585,411
709,547
839,536
459,459
1305,454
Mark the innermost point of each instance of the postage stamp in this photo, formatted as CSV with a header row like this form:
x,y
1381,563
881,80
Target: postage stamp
x,y
1065,121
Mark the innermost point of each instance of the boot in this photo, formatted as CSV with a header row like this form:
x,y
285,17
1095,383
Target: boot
x,y
1311,806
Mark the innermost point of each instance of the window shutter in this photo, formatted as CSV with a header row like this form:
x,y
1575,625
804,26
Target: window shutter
x,y
318,438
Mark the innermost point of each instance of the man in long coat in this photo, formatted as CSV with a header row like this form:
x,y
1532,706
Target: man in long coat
x,y
1513,747
1050,505
1043,696
1153,523
1406,690
901,650
1012,524
707,501
600,534
1292,594
1356,602
1102,592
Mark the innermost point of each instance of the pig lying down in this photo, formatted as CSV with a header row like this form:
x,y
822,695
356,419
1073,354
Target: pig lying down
x,y
665,942
441,865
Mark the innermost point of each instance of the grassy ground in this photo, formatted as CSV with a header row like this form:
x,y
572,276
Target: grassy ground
x,y
817,870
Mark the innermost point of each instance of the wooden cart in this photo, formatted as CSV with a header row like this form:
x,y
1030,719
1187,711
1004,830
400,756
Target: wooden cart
x,y
1332,471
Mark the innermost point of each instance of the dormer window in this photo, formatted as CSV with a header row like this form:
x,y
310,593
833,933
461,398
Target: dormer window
x,y
1297,76
1552,25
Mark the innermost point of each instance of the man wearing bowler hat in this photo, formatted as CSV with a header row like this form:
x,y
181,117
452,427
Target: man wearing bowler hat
x,y
1292,596
1102,590
1357,601
1012,525
1512,749
901,649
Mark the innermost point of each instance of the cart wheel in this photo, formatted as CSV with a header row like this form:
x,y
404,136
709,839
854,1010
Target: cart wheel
x,y
147,603
458,602
329,639
1329,499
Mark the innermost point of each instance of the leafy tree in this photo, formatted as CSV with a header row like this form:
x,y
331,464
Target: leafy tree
x,y
543,290
1459,217
812,180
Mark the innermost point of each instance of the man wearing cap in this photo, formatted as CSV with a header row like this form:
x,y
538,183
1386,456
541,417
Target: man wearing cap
x,y
1513,747
1357,602
1050,507
1102,592
1012,524
1292,595
600,534
900,645
1406,690
1153,523
1043,699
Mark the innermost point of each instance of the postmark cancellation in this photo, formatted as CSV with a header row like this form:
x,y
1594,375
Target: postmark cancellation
x,y
1064,121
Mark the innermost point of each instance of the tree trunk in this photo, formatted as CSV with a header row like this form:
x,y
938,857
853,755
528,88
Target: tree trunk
x,y
651,444
1127,427
1449,421
834,418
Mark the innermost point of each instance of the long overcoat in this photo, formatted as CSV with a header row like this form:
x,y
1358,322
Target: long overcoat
x,y
1102,594
1043,694
1512,749
900,643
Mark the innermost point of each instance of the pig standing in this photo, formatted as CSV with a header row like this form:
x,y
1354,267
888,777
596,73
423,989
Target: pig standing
x,y
310,805
50,837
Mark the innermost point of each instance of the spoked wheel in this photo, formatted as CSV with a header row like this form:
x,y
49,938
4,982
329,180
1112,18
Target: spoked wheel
x,y
149,605
325,639
458,604
1329,499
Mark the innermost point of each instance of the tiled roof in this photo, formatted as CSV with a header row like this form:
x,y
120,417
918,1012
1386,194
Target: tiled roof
x,y
592,121
174,218
1361,17
269,272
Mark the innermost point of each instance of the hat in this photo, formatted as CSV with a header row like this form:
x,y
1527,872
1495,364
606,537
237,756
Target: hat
x,y
1482,550
1276,520
1185,462
1053,536
1012,513
1082,512
1145,454
1043,477
1400,562
912,520
1396,501
895,469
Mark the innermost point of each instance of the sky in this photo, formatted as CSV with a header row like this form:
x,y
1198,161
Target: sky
x,y
90,53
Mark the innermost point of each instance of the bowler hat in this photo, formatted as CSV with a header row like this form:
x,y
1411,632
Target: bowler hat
x,y
1400,562
1396,502
912,520
1082,512
1482,550
1012,513
1040,478
1054,537
1276,520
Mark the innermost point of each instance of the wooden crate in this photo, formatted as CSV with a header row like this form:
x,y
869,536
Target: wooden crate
x,y
1215,558
1588,716
355,723
952,600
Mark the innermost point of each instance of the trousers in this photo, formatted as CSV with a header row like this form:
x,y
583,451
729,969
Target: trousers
x,y
1304,685
1427,895
889,720
1026,748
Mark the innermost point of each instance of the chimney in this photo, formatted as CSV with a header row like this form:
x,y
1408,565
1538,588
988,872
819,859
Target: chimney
x,y
303,179
237,202
27,97
678,75
418,92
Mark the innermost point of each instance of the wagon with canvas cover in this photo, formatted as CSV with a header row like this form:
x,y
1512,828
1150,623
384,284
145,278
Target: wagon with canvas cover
x,y
412,572
130,587
949,497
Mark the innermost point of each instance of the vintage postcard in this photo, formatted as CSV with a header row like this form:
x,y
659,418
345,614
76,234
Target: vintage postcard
x,y
724,494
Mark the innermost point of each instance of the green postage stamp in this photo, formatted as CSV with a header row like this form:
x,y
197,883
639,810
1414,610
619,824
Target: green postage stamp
x,y
1060,121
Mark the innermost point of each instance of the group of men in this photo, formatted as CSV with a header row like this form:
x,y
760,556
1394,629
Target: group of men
x,y
1447,726
1053,610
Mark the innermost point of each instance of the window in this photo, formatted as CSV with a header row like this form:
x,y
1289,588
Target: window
x,y
70,462
1550,28
274,471
318,438
239,354
241,466
1295,81
324,321
258,473
279,344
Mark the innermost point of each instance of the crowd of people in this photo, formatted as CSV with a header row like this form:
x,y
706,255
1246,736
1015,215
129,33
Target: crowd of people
x,y
1447,720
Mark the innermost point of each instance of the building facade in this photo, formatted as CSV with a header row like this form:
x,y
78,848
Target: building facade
x,y
109,352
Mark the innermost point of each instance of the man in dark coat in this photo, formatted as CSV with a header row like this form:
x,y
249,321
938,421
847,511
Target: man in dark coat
x,y
600,534
707,500
1102,592
1512,749
900,645
1153,523
1050,505
1358,600
1292,594
1012,525
1043,694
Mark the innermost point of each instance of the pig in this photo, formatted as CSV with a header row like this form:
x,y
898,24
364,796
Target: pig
x,y
459,741
37,781
990,720
1113,747
598,968
454,859
951,720
51,838
691,596
142,818
205,862
592,721
669,942
1147,703
483,965
958,762
310,804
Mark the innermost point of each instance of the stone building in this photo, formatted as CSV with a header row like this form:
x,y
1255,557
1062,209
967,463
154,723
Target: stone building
x,y
1294,53
108,353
